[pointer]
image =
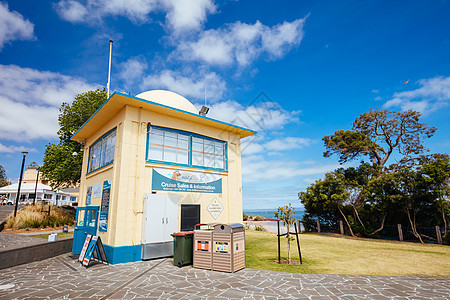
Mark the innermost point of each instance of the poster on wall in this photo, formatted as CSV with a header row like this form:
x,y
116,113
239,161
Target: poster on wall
x,y
103,217
89,195
215,208
185,181
97,191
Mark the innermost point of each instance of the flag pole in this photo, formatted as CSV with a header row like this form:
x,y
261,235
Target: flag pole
x,y
109,70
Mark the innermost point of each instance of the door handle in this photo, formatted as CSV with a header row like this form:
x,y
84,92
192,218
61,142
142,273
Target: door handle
x,y
167,220
162,219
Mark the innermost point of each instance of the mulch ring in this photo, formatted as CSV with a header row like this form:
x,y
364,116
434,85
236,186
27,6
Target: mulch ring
x,y
286,262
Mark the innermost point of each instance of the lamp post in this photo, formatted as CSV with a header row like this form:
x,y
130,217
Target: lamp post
x,y
20,183
35,188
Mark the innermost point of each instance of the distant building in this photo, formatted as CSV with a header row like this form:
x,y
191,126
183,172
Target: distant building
x,y
45,193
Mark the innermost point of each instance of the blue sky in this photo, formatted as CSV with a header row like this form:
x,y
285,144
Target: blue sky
x,y
295,71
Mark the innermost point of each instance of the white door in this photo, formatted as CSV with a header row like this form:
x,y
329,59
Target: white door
x,y
171,217
160,218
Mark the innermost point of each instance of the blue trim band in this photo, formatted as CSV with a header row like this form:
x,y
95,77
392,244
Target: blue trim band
x,y
123,254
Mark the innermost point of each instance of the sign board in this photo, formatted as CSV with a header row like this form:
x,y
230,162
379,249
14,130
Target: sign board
x,y
89,195
185,181
85,246
94,250
88,255
103,217
97,190
215,208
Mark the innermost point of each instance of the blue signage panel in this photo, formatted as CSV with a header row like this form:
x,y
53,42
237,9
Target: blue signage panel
x,y
103,216
185,181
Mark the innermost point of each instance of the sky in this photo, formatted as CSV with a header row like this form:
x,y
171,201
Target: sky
x,y
294,71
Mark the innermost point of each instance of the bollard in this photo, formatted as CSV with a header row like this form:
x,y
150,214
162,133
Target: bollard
x,y
318,226
341,226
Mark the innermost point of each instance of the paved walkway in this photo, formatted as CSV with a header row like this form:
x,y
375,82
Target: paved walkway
x,y
63,277
14,241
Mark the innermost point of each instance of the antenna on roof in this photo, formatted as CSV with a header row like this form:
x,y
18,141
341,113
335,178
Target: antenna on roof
x,y
109,70
204,110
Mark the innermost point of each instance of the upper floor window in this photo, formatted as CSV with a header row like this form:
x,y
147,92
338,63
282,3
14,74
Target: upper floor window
x,y
101,153
185,148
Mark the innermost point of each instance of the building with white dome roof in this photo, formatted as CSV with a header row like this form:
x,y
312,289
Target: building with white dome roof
x,y
153,166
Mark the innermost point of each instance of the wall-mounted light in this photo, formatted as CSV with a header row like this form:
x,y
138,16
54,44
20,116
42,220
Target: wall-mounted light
x,y
203,111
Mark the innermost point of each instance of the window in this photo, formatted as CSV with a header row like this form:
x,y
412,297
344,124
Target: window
x,y
73,198
101,153
184,148
48,197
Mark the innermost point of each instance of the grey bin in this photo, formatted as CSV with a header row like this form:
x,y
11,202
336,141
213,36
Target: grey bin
x,y
228,252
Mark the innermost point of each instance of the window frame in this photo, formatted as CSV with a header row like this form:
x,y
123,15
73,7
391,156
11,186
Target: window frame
x,y
190,135
100,140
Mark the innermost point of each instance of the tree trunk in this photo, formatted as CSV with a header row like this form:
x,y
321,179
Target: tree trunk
x,y
413,226
382,225
346,221
443,218
357,216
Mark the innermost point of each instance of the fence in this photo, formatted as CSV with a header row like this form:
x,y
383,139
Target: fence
x,y
389,232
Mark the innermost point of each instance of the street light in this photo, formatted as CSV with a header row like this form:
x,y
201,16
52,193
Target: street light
x,y
20,182
35,188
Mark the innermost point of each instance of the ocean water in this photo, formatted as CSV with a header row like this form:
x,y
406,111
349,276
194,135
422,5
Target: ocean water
x,y
269,213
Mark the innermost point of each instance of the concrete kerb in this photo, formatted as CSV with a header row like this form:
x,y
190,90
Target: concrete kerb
x,y
32,253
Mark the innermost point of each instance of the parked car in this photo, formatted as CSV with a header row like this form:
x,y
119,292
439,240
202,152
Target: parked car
x,y
6,201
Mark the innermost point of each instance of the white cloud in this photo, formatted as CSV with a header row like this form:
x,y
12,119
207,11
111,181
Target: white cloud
x,y
260,116
192,85
250,146
30,101
433,94
133,69
13,149
256,167
287,143
188,14
242,43
181,16
72,11
13,26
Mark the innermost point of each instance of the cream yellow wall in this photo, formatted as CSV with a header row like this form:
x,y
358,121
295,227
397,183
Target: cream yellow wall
x,y
131,176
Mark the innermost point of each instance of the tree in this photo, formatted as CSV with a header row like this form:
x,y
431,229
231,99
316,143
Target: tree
x,y
378,134
3,179
60,166
286,215
437,168
328,194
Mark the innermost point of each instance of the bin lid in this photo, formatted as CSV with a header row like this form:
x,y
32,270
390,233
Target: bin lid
x,y
182,233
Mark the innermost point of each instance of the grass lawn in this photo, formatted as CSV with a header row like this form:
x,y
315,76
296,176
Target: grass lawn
x,y
327,254
60,235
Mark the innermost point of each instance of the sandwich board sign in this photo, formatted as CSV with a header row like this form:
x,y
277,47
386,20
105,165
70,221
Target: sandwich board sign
x,y
93,250
85,246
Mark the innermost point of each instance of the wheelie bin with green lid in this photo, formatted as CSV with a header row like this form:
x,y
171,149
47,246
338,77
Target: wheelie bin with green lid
x,y
182,248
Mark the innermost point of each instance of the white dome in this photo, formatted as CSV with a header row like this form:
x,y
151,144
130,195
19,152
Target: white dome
x,y
169,98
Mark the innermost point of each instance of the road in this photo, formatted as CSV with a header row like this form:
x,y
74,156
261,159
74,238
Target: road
x,y
5,210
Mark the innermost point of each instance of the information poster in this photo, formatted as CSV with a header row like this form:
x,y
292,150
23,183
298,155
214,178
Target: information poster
x,y
89,195
85,246
88,255
97,191
103,218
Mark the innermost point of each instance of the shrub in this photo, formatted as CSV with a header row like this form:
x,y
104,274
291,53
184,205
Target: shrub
x,y
260,228
37,216
258,218
245,217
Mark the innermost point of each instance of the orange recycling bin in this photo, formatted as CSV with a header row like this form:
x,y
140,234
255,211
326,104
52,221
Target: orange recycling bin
x,y
202,247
